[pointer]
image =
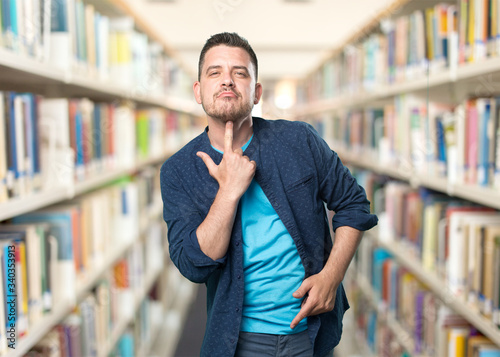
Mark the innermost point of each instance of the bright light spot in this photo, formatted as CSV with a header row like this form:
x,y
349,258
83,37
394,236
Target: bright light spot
x,y
284,94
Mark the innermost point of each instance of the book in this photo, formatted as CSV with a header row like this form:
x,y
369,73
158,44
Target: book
x,y
3,151
457,271
491,276
61,229
56,156
10,272
59,53
457,342
32,238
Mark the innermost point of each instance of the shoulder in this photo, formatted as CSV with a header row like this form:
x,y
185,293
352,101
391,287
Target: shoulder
x,y
283,124
285,129
184,158
290,132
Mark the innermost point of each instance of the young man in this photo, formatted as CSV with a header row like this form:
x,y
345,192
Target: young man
x,y
244,206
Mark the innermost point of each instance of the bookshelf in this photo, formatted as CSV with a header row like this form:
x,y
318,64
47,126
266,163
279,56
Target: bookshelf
x,y
84,286
482,195
393,83
57,63
402,336
29,74
178,305
447,84
436,285
123,323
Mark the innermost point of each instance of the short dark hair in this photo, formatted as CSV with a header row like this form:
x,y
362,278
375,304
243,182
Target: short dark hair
x,y
231,40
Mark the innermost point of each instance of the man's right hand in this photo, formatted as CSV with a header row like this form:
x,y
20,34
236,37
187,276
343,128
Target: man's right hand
x,y
235,172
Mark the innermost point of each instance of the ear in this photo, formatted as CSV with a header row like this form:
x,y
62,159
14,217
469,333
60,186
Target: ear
x,y
258,93
197,91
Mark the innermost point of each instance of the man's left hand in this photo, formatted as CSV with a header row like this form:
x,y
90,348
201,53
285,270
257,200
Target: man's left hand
x,y
321,292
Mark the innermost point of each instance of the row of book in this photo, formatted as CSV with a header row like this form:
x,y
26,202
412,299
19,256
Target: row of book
x,y
407,47
59,248
431,327
74,36
48,142
461,143
458,241
88,330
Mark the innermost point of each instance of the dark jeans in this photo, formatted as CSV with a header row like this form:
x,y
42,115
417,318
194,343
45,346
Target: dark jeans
x,y
266,345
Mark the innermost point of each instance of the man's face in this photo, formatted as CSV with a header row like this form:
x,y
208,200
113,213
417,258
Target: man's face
x,y
227,88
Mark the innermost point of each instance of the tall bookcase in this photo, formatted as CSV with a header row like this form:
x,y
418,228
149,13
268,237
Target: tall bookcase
x,y
410,103
94,57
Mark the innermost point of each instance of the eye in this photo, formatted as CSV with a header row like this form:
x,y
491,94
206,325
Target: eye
x,y
213,73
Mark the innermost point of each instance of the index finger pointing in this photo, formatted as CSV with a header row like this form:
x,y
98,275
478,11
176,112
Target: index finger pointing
x,y
228,137
304,312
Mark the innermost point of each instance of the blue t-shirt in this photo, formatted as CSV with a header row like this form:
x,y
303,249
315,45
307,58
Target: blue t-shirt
x,y
272,267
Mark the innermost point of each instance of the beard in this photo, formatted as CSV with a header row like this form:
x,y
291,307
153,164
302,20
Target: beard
x,y
225,109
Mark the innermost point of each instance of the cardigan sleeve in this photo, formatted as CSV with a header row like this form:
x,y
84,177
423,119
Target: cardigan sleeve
x,y
338,188
183,218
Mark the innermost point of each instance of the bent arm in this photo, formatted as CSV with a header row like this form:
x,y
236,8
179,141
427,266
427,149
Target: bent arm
x,y
183,218
214,233
345,244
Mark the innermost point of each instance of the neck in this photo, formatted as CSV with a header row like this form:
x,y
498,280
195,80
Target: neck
x,y
242,132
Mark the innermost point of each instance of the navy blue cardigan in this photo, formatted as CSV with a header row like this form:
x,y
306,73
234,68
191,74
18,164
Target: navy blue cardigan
x,y
298,172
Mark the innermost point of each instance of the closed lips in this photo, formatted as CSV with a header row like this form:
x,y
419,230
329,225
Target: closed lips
x,y
227,94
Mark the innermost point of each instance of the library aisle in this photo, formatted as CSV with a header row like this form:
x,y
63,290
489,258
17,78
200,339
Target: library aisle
x,y
95,95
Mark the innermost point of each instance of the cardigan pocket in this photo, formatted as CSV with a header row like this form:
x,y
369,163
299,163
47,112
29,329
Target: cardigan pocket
x,y
300,183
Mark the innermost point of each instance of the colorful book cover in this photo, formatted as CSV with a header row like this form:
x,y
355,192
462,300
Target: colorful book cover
x,y
22,288
3,150
9,274
485,137
13,19
471,39
488,269
3,317
1,23
472,142
60,228
463,40
488,352
126,345
36,135
441,147
12,145
5,16
59,16
97,133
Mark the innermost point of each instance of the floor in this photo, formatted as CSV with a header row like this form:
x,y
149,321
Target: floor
x,y
192,335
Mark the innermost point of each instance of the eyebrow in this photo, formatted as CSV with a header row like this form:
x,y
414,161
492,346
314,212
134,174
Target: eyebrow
x,y
209,68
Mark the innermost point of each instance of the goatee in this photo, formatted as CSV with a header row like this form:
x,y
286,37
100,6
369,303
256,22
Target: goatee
x,y
227,111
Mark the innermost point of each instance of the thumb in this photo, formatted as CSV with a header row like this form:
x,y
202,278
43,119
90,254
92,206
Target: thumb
x,y
209,163
302,290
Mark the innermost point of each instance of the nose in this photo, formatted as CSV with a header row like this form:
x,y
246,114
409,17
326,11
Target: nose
x,y
227,80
